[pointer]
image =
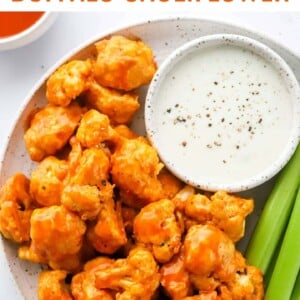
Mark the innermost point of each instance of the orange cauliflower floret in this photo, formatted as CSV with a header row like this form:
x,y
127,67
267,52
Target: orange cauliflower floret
x,y
135,277
155,227
225,211
107,234
68,82
56,235
134,168
16,208
52,286
46,182
119,107
50,129
94,129
123,64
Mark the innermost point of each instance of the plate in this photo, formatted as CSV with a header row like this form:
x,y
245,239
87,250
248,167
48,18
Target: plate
x,y
163,35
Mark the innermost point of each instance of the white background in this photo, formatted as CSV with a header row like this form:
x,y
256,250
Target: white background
x,y
21,68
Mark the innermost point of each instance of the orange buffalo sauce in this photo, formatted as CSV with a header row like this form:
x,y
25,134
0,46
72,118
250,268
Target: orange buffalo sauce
x,y
12,23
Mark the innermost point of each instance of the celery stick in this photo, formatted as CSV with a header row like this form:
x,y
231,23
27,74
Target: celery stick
x,y
275,214
288,262
296,291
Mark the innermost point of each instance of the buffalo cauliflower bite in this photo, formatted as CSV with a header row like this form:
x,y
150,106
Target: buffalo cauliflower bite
x,y
123,64
68,82
52,286
50,129
135,277
92,168
209,256
83,200
46,182
119,107
156,228
56,234
83,284
175,278
94,129
215,265
225,211
134,168
107,234
16,207
229,213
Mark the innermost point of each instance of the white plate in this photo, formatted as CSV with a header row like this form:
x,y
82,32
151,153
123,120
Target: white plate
x,y
163,36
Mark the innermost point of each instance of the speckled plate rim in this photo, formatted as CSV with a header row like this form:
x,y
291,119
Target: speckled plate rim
x,y
208,41
273,43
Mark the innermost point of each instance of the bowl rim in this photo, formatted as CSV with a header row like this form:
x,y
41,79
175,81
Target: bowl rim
x,y
256,47
14,40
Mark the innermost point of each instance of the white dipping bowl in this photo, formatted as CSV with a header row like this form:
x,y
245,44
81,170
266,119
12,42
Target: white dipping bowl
x,y
30,34
223,112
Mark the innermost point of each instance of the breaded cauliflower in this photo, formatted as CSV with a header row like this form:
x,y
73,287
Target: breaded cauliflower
x,y
46,182
56,234
83,284
225,211
68,82
94,129
123,64
16,207
156,228
83,200
107,234
52,286
135,277
50,129
134,168
175,278
119,107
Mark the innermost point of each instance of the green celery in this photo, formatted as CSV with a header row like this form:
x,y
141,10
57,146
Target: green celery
x,y
296,291
288,262
275,214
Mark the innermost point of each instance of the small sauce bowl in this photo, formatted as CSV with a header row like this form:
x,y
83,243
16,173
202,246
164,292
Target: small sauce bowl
x,y
33,28
223,112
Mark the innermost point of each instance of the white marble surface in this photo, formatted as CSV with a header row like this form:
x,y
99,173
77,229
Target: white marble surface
x,y
21,68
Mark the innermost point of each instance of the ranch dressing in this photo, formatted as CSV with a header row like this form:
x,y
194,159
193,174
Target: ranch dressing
x,y
223,114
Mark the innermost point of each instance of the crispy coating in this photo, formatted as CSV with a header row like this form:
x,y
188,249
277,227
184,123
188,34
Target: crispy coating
x,y
229,213
123,64
211,258
94,129
91,168
128,216
208,250
52,286
50,129
119,107
16,207
83,284
56,233
134,168
225,211
170,184
107,235
125,132
68,82
175,278
156,228
83,200
135,277
46,182
247,284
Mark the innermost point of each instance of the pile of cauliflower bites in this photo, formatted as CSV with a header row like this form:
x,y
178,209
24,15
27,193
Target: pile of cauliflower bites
x,y
101,210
